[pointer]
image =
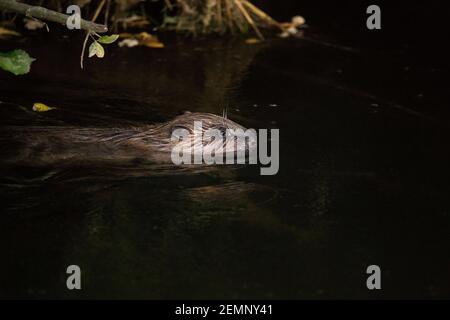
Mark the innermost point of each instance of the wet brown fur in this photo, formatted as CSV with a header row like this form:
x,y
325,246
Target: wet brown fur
x,y
42,146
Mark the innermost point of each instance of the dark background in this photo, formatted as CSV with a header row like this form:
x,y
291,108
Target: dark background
x,y
422,24
364,176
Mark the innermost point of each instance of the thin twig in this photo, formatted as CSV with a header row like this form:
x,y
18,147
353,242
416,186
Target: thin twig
x,y
228,15
219,14
248,18
262,14
88,33
99,9
169,5
108,5
84,48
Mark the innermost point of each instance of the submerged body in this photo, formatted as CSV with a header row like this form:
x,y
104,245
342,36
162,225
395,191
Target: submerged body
x,y
43,146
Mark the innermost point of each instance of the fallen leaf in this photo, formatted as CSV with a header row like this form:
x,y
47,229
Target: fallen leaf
x,y
149,40
41,107
126,35
8,33
298,21
128,43
152,43
144,35
252,41
141,39
292,30
33,24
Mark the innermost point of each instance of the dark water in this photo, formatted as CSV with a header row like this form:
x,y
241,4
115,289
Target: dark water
x,y
363,175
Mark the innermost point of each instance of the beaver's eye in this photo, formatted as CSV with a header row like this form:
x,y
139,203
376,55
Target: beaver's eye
x,y
223,131
172,129
180,132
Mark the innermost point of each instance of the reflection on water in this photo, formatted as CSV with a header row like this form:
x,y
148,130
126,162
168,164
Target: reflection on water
x,y
355,187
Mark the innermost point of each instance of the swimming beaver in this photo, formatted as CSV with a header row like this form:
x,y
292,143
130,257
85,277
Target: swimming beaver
x,y
43,146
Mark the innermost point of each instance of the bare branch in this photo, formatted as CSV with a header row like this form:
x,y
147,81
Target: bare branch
x,y
49,15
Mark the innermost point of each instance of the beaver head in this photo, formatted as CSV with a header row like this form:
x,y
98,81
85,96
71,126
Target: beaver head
x,y
204,133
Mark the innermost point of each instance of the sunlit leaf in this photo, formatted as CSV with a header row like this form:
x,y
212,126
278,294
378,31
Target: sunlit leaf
x,y
108,39
17,61
96,49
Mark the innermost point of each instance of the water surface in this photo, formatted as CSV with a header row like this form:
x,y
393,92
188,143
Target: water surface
x,y
363,176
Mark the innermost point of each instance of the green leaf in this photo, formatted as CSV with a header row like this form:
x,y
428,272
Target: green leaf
x,y
17,61
96,49
108,39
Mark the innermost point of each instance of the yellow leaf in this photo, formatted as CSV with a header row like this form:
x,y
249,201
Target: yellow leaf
x,y
6,33
153,44
40,107
126,35
140,39
144,35
252,41
150,41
